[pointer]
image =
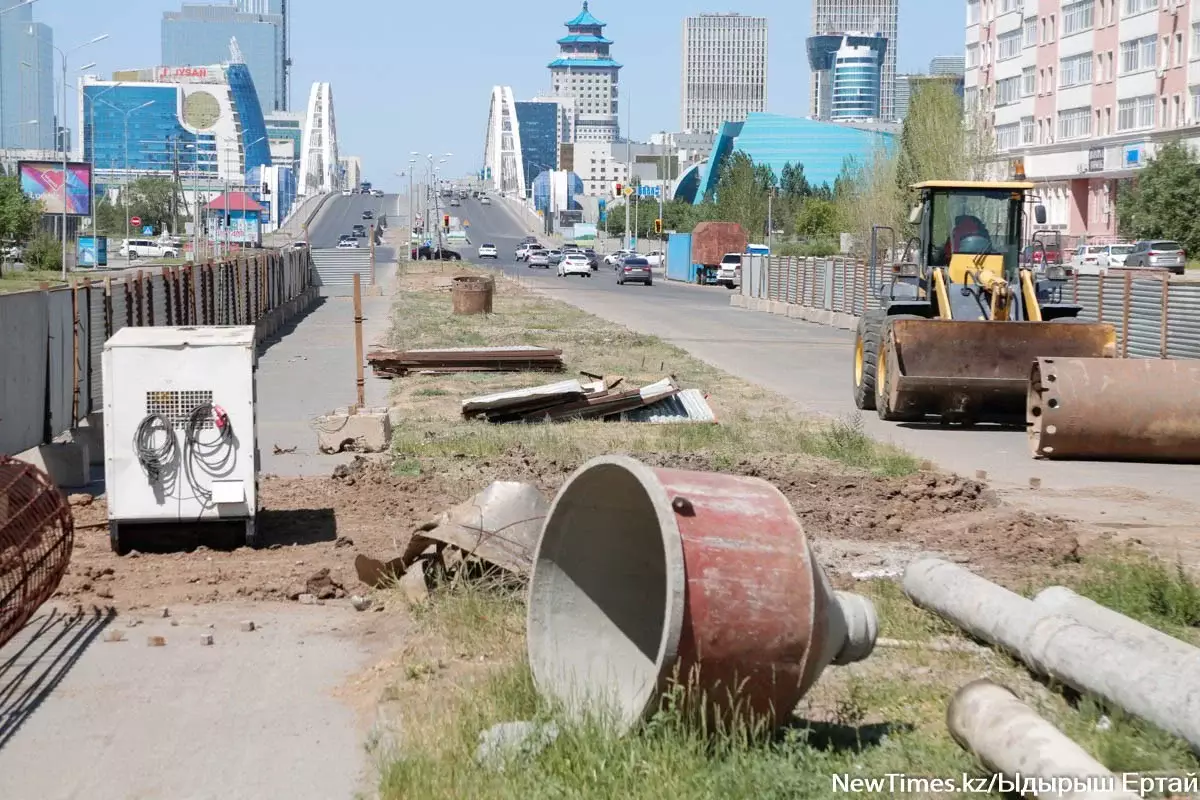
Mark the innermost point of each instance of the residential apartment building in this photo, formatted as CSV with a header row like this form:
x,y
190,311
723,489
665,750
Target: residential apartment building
x,y
873,18
1084,92
724,71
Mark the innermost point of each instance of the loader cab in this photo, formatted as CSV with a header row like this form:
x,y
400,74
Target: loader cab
x,y
967,227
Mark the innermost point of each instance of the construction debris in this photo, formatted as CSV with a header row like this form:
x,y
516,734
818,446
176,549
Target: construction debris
x,y
600,399
439,361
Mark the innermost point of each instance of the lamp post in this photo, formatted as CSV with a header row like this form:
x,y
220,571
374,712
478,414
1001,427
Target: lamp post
x,y
226,194
92,109
125,178
63,130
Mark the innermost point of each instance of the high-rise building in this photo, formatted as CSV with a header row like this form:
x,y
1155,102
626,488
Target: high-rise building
x,y
904,88
538,123
874,18
285,131
847,73
724,75
947,65
27,108
199,34
586,71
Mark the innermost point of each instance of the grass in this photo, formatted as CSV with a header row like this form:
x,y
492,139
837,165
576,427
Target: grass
x,y
24,280
752,420
1161,595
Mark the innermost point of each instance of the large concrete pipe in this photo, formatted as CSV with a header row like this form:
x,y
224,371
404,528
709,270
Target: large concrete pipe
x,y
1061,647
1115,408
1128,631
643,577
1036,758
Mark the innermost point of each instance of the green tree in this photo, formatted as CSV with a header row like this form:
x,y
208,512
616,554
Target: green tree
x,y
18,214
1164,200
792,181
44,252
742,193
151,199
817,217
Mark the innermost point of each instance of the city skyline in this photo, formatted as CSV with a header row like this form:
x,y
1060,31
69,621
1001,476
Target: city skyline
x,y
456,89
723,70
869,18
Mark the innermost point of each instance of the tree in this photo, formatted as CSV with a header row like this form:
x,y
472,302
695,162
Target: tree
x,y
1164,200
153,199
742,193
792,181
817,217
18,214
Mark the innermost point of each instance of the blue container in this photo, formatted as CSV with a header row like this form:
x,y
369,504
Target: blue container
x,y
679,258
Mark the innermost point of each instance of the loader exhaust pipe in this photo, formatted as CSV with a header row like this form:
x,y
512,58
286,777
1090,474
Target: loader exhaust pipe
x,y
1128,409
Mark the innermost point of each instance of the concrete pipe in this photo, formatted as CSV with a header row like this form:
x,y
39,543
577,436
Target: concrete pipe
x,y
1127,631
1009,737
1061,647
643,577
1136,409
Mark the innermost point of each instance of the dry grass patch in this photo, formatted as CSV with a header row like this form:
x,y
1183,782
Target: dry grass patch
x,y
752,419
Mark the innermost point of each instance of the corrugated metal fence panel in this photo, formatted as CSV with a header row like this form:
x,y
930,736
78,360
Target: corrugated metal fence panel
x,y
97,335
838,266
158,298
1114,304
82,300
774,277
337,267
23,328
1087,290
1145,319
61,342
793,279
1183,321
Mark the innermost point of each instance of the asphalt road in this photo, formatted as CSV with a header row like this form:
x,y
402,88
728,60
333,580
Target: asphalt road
x,y
342,213
811,365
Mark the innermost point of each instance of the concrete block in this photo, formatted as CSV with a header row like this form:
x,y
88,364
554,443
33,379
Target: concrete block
x,y
67,463
359,433
778,307
795,311
846,322
91,434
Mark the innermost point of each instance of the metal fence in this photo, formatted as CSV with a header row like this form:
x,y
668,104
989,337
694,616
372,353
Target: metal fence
x,y
1154,316
52,338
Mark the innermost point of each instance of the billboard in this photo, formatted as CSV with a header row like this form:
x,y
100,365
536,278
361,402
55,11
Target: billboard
x,y
585,232
43,180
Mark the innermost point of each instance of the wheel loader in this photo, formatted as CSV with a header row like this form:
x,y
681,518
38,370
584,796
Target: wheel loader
x,y
961,319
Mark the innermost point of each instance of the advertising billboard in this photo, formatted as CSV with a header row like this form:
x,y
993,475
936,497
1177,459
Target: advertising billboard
x,y
585,232
44,181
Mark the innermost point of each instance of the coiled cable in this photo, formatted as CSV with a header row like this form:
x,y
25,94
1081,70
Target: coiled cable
x,y
155,459
213,456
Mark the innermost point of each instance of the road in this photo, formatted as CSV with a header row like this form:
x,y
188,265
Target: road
x,y
342,213
811,365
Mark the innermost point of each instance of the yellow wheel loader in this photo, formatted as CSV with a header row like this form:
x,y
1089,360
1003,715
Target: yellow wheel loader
x,y
961,318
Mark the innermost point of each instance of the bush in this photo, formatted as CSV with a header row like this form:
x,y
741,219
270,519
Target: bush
x,y
44,252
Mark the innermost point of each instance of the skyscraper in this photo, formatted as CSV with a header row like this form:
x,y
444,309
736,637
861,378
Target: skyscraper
x,y
948,65
199,34
586,71
847,73
724,74
871,17
27,109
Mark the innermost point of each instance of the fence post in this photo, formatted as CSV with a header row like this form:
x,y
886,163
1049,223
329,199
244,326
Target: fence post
x,y
128,302
150,300
1127,302
1100,297
108,320
167,300
137,290
74,352
1166,310
1075,286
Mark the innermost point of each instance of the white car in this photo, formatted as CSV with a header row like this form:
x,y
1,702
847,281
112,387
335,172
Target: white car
x,y
347,193
485,201
1086,259
348,244
656,258
148,248
1113,255
488,251
729,271
612,259
574,264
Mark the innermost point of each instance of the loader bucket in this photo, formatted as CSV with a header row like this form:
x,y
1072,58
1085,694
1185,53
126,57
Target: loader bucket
x,y
979,370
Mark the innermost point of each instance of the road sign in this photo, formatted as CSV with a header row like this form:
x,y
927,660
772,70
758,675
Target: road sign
x,y
628,191
135,221
148,230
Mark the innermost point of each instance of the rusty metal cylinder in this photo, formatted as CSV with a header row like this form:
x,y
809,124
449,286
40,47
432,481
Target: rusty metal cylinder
x,y
644,578
1010,738
1115,408
37,533
472,294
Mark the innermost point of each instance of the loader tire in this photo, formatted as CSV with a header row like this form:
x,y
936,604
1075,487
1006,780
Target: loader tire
x,y
881,391
867,343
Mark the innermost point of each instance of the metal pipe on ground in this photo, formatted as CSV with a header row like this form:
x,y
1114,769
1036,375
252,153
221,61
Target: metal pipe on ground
x,y
1128,631
1010,738
645,577
1060,647
1115,408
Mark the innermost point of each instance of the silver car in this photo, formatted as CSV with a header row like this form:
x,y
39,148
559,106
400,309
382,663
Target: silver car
x,y
1158,254
539,258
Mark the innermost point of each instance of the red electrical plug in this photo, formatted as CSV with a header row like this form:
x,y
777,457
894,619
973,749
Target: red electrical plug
x,y
220,417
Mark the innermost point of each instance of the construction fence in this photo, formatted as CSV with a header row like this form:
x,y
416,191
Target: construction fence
x,y
52,339
1154,316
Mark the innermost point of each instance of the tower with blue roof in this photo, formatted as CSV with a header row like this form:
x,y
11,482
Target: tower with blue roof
x,y
586,72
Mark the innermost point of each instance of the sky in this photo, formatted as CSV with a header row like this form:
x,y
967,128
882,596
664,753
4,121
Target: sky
x,y
418,75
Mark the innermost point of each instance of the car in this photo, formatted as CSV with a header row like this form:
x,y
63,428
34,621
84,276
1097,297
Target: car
x,y
368,214
574,264
612,258
656,258
147,248
425,253
377,193
526,249
485,201
539,258
593,258
348,244
529,240
1033,254
1158,254
454,203
1086,258
555,257
488,251
1113,255
347,193
297,246
729,271
635,269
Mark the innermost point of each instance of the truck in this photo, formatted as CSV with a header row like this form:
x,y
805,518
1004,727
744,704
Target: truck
x,y
710,242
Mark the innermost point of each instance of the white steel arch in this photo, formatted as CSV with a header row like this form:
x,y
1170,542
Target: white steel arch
x,y
320,171
505,169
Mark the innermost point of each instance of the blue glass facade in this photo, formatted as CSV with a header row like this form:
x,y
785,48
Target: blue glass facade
x,y
541,192
775,140
856,85
199,35
254,126
538,127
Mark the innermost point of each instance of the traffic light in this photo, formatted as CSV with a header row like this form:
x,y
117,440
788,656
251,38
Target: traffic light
x,y
446,221
619,190
658,226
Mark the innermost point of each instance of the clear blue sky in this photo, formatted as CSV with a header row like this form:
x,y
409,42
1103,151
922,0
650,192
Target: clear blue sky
x,y
418,75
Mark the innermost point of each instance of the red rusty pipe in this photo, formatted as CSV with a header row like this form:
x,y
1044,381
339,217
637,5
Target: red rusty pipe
x,y
644,575
1115,408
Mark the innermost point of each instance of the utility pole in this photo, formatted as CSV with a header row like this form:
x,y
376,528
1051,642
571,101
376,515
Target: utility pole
x,y
175,187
